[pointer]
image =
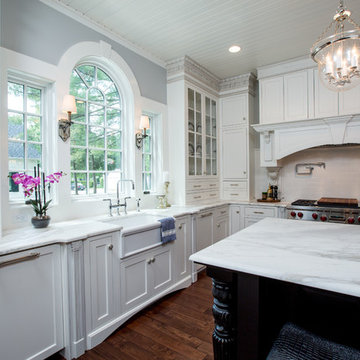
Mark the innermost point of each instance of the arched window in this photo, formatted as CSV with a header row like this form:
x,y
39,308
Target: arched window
x,y
96,133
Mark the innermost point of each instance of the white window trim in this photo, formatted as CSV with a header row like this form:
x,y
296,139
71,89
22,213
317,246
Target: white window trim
x,y
47,129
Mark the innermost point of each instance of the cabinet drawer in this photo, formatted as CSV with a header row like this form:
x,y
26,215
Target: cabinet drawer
x,y
235,194
260,212
199,186
239,185
195,197
222,212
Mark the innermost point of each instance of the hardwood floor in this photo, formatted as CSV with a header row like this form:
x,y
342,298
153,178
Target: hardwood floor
x,y
177,327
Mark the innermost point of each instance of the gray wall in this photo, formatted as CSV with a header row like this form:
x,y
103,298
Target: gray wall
x,y
35,29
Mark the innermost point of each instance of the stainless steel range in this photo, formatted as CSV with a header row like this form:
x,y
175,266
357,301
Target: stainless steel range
x,y
344,211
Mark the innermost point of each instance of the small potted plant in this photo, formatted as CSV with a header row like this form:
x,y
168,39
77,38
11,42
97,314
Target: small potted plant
x,y
37,185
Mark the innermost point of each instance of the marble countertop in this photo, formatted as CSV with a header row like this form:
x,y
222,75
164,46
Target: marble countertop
x,y
69,231
320,255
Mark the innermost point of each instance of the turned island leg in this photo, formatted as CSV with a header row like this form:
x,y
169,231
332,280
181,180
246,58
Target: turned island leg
x,y
224,335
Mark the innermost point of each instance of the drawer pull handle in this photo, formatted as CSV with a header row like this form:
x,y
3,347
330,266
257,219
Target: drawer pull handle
x,y
212,194
20,259
211,185
258,212
234,194
234,184
197,186
223,212
111,246
197,197
206,215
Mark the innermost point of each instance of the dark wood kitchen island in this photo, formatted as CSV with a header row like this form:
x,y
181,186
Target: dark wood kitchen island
x,y
277,271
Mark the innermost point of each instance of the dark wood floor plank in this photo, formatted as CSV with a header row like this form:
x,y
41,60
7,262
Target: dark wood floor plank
x,y
177,327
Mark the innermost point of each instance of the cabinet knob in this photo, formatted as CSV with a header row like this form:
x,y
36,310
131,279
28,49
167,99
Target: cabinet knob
x,y
244,118
153,260
111,246
237,211
244,172
180,226
218,225
149,261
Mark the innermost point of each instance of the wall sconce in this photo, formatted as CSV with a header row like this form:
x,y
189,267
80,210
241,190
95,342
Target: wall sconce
x,y
144,125
69,107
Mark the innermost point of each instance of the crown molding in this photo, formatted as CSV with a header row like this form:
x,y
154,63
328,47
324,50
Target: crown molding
x,y
186,67
92,24
239,83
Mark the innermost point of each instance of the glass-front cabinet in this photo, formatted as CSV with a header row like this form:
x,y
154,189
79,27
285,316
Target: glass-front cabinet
x,y
202,134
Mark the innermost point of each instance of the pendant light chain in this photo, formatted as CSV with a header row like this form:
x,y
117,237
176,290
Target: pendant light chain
x,y
324,32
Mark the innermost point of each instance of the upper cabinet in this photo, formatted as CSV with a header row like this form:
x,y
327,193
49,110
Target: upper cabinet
x,y
234,110
293,91
193,132
202,134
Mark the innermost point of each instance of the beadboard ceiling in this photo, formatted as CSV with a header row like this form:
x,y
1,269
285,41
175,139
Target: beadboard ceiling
x,y
268,31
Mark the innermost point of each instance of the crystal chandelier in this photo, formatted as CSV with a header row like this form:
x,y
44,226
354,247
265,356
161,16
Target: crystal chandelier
x,y
338,55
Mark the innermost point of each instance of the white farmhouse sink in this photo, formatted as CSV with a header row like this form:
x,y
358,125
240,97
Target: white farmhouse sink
x,y
140,232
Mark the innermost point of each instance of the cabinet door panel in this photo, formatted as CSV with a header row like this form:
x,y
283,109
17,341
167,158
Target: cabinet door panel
x,y
234,110
234,154
161,269
30,305
326,101
101,278
349,101
182,249
296,96
272,100
221,229
236,219
134,281
204,230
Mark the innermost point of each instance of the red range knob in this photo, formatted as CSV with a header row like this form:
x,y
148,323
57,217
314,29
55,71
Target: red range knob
x,y
323,217
314,216
351,220
359,219
293,213
300,215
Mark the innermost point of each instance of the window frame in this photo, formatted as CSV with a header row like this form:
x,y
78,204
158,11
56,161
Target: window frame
x,y
87,124
25,81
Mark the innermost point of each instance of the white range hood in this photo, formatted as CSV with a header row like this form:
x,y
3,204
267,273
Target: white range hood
x,y
282,139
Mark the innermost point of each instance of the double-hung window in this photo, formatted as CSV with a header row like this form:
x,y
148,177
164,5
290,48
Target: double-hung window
x,y
147,159
96,133
25,123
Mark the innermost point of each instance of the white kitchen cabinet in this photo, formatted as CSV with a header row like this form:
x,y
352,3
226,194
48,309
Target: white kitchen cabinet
x,y
272,100
145,275
204,232
296,96
349,101
31,310
221,223
193,132
182,248
236,218
326,101
102,300
255,213
234,154
235,110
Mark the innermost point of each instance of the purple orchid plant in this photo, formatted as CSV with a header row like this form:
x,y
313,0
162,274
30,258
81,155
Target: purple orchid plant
x,y
37,184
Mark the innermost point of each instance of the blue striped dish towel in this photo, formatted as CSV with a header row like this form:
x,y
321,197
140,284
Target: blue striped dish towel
x,y
167,228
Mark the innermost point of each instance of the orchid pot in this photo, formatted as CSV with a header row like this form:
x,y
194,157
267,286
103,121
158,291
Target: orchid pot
x,y
36,187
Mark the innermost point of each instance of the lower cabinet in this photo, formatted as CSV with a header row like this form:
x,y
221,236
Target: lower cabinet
x,y
145,275
236,218
31,325
221,223
102,300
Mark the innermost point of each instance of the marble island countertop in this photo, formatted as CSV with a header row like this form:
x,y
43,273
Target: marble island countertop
x,y
320,255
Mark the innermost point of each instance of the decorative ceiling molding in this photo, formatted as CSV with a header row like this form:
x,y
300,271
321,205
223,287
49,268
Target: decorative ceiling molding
x,y
185,66
240,83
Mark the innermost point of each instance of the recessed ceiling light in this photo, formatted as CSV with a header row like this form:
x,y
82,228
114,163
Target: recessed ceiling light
x,y
234,48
